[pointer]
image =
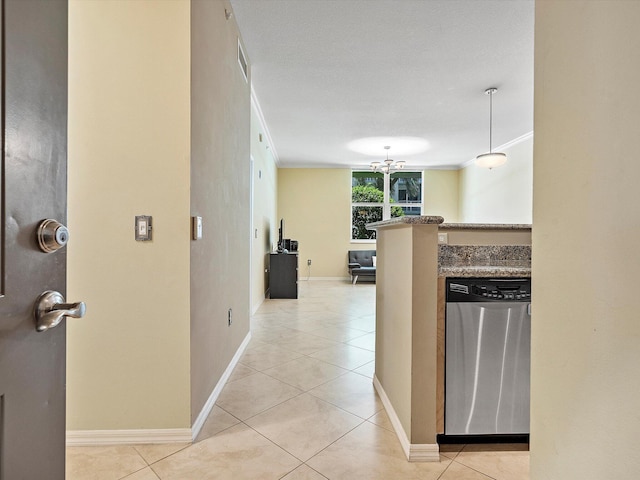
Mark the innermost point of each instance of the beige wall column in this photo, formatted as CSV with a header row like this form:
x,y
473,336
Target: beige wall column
x,y
406,333
424,304
128,359
394,326
585,325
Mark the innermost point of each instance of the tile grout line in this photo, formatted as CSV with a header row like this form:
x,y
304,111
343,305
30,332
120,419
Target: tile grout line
x,y
308,391
302,391
309,355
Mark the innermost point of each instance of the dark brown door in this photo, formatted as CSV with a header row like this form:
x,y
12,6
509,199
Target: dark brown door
x,y
33,187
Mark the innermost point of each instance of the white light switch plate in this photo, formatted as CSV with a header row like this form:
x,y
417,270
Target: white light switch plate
x,y
443,238
196,229
143,228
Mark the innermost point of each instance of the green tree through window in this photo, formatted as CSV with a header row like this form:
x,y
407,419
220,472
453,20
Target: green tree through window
x,y
362,214
367,198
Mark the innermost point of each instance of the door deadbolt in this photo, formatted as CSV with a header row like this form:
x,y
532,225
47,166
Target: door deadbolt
x,y
52,235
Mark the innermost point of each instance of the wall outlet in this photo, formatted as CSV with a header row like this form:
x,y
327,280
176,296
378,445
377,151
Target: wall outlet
x,y
230,317
309,262
443,238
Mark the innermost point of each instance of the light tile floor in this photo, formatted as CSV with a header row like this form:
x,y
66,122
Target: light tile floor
x,y
300,405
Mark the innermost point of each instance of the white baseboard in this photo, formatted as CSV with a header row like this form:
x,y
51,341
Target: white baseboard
x,y
416,452
77,438
255,308
211,401
83,438
424,452
302,278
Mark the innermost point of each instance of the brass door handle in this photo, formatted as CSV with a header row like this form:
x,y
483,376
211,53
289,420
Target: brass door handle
x,y
51,308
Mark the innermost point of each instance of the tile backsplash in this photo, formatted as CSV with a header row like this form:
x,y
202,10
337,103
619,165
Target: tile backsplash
x,y
484,255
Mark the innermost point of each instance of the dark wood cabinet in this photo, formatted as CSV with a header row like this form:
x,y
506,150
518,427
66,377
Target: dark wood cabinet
x,y
283,275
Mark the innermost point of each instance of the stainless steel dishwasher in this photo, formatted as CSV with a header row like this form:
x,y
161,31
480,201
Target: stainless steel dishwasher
x,y
487,356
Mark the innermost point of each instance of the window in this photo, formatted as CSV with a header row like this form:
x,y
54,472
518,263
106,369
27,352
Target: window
x,y
406,192
367,202
375,198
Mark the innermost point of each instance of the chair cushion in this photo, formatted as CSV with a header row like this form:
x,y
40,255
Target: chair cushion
x,y
364,271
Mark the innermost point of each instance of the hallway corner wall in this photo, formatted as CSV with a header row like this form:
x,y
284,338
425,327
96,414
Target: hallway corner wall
x,y
220,194
265,193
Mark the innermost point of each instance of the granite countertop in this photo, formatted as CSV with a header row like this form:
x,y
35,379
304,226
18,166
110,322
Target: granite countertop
x,y
434,219
407,220
472,260
484,271
485,226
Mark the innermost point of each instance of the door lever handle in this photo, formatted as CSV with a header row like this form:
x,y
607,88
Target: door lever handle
x,y
51,308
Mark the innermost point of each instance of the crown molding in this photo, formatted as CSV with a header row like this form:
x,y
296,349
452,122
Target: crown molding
x,y
263,125
504,146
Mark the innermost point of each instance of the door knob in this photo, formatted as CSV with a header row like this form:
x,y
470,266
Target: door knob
x,y
52,235
50,309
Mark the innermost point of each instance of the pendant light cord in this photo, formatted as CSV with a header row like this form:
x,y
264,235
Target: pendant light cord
x,y
490,119
490,92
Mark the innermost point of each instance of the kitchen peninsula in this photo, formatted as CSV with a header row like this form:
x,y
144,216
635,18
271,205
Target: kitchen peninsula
x,y
411,269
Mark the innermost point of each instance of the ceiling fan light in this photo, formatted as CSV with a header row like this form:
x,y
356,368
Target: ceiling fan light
x,y
491,160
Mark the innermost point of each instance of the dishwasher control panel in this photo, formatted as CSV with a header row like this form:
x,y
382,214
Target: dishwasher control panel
x,y
488,290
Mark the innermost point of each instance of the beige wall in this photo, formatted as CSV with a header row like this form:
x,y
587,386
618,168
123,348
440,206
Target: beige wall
x,y
586,342
499,195
220,193
265,227
315,204
441,193
128,359
155,128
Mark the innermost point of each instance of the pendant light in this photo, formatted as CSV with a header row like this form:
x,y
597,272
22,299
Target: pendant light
x,y
388,165
492,159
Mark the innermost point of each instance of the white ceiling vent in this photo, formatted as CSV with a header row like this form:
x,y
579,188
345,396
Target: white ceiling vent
x,y
242,62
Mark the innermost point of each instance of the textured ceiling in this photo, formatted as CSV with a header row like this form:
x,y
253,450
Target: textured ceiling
x,y
327,72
